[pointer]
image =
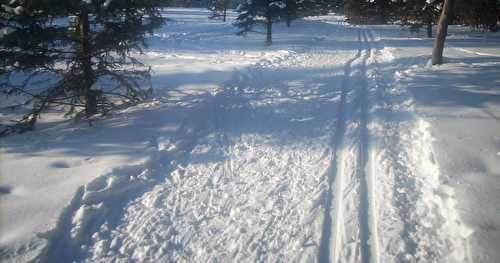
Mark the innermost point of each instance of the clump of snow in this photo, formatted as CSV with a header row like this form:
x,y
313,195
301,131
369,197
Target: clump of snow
x,y
278,4
107,3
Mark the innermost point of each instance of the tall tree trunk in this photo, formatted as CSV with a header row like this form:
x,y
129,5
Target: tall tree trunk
x,y
288,13
442,31
85,60
429,29
269,30
225,12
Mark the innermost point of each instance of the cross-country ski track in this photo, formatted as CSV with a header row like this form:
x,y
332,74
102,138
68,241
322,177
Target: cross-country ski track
x,y
356,110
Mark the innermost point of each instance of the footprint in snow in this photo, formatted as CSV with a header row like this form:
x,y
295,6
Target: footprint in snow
x,y
4,190
59,164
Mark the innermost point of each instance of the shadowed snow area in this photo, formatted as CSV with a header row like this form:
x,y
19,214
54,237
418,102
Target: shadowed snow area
x,y
337,143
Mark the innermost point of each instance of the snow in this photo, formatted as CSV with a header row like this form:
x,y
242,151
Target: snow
x,y
464,120
278,4
107,3
455,101
337,143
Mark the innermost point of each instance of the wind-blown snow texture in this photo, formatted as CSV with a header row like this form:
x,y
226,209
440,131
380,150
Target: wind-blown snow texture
x,y
338,143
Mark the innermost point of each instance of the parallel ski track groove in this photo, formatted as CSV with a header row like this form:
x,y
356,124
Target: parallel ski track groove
x,y
371,179
405,206
330,249
362,158
335,175
368,214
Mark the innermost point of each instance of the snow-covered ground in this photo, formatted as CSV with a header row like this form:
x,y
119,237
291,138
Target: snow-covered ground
x,y
461,102
337,143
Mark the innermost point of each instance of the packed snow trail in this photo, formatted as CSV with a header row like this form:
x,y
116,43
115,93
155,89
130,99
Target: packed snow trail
x,y
363,173
331,223
368,211
361,193
368,159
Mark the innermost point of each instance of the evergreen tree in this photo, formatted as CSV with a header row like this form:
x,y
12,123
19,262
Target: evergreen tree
x,y
290,11
264,12
356,11
315,7
419,13
73,53
478,13
337,6
306,8
370,11
219,9
380,11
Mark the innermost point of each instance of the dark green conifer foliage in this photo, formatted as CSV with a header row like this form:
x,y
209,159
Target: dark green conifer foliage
x,y
356,11
306,8
266,12
290,11
483,14
370,11
73,54
219,9
419,13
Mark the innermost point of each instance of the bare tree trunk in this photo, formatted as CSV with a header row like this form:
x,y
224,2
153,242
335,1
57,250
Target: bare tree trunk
x,y
442,31
290,13
269,30
429,29
225,12
85,60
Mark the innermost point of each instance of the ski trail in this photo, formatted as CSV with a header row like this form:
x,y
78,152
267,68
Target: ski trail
x,y
402,200
357,190
372,180
362,157
368,214
333,219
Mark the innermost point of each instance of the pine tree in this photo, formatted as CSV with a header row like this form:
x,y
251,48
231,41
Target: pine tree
x,y
264,12
380,11
419,13
219,9
290,11
483,14
73,53
369,11
306,8
356,11
337,6
315,7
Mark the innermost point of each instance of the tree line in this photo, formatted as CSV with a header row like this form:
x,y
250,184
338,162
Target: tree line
x,y
481,14
77,55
